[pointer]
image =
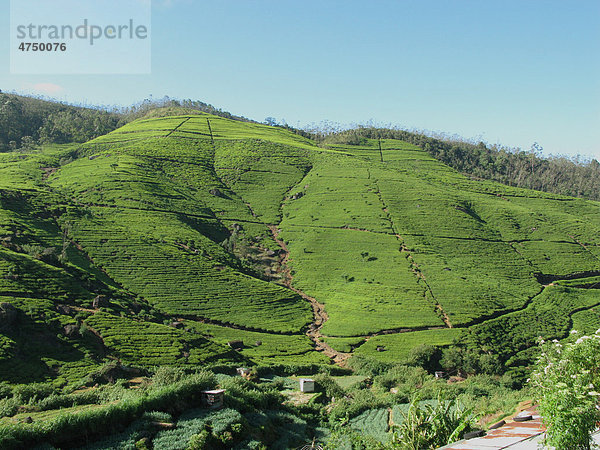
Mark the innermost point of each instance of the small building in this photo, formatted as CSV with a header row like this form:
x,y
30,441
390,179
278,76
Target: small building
x,y
243,371
213,399
439,374
307,385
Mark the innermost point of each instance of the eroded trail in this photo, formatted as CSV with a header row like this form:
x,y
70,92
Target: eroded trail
x,y
416,270
319,314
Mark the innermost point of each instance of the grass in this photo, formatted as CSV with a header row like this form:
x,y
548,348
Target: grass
x,y
347,381
357,276
587,322
397,347
585,282
548,316
150,344
264,348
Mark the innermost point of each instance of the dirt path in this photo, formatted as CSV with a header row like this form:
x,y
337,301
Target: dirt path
x,y
413,264
419,274
319,314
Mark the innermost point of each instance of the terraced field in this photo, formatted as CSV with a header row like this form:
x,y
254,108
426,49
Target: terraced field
x,y
196,231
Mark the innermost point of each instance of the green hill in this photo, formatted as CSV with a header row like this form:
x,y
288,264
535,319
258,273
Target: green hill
x,y
163,241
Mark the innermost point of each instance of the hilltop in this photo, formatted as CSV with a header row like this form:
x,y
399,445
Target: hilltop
x,y
164,241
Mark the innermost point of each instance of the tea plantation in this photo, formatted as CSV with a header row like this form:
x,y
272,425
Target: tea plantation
x,y
195,240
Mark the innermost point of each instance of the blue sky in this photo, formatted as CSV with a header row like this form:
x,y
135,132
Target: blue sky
x,y
511,72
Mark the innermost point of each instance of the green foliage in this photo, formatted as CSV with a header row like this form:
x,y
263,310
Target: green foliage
x,y
402,378
5,390
368,366
330,387
431,425
76,125
361,400
462,361
245,396
199,441
347,438
26,393
172,216
425,356
131,436
165,375
201,427
93,420
399,347
57,401
151,344
567,383
264,348
374,423
26,120
548,315
514,167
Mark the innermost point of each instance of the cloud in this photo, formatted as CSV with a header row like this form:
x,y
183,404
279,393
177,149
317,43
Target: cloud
x,y
48,88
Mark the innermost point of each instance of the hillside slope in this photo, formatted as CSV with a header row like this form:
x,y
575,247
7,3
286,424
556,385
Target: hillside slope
x,y
159,243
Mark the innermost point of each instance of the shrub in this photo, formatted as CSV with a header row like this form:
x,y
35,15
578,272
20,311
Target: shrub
x,y
347,408
67,427
9,407
5,390
401,376
567,382
368,366
324,383
245,396
199,441
25,393
425,356
165,375
66,401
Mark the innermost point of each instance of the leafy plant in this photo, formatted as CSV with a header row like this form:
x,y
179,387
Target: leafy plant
x,y
567,381
433,424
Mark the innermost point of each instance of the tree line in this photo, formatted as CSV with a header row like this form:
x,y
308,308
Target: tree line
x,y
26,122
29,121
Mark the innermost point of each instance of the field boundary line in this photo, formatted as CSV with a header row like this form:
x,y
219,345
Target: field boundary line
x,y
177,127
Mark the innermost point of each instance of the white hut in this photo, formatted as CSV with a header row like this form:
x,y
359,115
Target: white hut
x,y
307,385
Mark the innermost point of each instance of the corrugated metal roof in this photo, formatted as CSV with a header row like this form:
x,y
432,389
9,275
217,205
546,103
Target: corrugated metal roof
x,y
513,435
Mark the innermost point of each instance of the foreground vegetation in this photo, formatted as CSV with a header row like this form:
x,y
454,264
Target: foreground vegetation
x,y
567,381
163,409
